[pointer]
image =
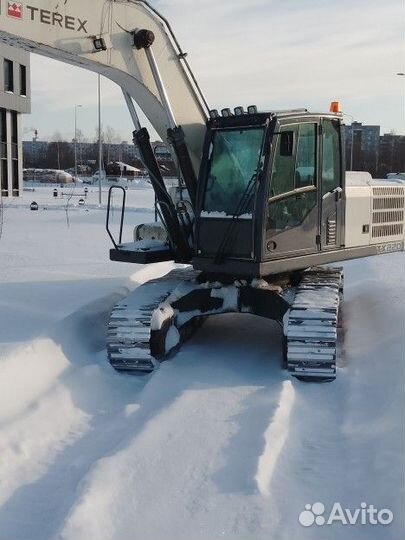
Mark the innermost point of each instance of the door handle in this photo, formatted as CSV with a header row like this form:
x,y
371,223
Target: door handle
x,y
338,193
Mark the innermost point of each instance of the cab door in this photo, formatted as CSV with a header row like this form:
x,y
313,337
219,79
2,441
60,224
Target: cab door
x,y
292,223
331,185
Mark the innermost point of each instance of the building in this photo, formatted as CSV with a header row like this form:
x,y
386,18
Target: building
x,y
367,150
60,154
392,154
120,152
362,147
35,152
15,100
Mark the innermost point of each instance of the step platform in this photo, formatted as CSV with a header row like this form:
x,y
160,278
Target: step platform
x,y
131,253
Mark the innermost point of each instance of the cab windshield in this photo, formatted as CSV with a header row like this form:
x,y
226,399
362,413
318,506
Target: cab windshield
x,y
232,173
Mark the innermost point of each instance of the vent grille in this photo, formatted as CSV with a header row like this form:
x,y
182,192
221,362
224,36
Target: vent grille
x,y
388,212
388,203
388,230
393,216
388,191
331,231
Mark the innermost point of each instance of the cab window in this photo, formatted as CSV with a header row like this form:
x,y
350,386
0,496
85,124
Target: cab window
x,y
232,172
331,164
292,171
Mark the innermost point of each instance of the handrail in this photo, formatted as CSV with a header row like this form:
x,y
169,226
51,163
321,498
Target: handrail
x,y
292,193
107,225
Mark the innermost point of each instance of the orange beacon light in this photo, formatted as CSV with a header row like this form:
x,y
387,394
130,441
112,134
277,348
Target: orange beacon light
x,y
335,107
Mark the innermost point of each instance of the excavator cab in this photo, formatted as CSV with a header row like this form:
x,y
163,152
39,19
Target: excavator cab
x,y
269,197
269,192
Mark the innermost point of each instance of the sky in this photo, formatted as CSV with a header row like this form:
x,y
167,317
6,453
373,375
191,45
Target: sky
x,y
276,54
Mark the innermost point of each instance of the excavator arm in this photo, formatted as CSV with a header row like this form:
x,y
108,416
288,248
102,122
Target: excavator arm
x,y
130,43
103,36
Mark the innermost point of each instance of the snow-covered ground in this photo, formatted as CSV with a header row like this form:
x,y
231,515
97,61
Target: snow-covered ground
x,y
219,442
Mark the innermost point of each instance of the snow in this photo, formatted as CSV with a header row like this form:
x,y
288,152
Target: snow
x,y
262,284
396,177
275,438
229,295
218,442
125,167
172,338
145,245
160,316
223,215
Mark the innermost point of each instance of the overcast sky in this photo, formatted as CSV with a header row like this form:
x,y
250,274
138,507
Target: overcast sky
x,y
273,53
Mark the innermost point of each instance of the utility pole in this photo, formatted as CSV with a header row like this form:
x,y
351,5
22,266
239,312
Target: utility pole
x,y
100,144
76,107
401,74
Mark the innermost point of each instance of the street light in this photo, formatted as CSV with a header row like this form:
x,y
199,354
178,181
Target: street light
x,y
76,107
401,74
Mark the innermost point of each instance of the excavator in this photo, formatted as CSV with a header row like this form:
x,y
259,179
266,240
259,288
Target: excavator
x,y
263,202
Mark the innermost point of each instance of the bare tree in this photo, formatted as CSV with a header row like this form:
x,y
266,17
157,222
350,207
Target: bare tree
x,y
110,136
96,134
81,137
57,139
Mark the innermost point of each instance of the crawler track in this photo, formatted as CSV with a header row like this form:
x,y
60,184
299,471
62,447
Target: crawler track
x,y
310,323
311,327
129,328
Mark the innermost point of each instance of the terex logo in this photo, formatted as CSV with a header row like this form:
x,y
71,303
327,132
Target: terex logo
x,y
14,10
57,19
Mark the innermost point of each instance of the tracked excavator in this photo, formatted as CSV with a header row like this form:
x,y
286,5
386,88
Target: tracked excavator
x,y
262,204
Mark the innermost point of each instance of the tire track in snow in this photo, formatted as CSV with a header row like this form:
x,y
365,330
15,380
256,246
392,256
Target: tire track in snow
x,y
29,445
48,450
186,454
53,492
154,475
275,438
26,373
67,413
346,442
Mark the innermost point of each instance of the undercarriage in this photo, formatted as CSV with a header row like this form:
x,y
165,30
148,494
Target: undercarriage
x,y
148,326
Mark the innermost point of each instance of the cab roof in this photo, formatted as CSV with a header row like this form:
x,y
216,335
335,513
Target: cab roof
x,y
261,118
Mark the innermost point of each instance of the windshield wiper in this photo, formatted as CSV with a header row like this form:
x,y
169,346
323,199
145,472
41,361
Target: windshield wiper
x,y
242,206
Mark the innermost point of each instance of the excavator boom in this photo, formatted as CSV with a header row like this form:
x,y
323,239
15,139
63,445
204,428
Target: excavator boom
x,y
101,36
